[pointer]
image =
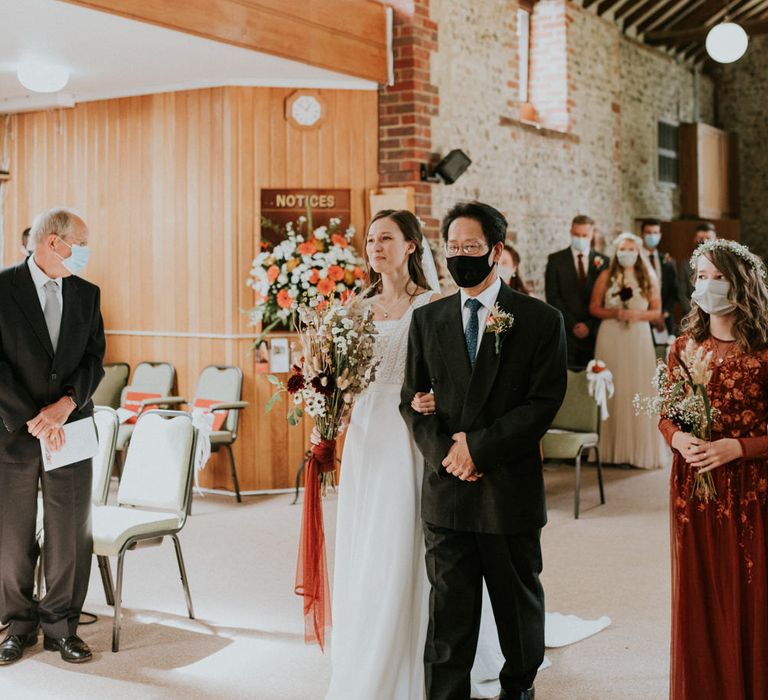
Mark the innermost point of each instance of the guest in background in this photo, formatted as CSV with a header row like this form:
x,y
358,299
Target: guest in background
x,y
25,242
569,279
666,273
509,269
626,297
720,546
705,231
51,355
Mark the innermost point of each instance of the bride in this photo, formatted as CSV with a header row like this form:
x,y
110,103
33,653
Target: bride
x,y
380,588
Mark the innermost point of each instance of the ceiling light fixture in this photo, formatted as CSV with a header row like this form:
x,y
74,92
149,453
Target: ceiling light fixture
x,y
726,42
42,77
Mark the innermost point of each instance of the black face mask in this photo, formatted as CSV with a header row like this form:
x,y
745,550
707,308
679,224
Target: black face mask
x,y
470,270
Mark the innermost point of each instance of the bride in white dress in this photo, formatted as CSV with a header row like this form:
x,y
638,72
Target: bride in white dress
x,y
380,587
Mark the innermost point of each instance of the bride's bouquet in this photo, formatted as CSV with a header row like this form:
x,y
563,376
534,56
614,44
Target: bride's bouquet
x,y
338,363
681,396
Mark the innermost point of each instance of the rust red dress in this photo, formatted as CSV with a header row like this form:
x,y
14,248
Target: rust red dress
x,y
720,549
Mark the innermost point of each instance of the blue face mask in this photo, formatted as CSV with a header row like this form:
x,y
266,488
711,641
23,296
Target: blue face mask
x,y
652,240
78,260
580,245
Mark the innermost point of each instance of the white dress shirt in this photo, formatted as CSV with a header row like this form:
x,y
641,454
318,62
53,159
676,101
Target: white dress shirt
x,y
40,279
487,298
585,260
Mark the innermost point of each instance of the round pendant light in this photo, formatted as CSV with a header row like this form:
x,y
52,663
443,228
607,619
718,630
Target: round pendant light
x,y
726,42
42,77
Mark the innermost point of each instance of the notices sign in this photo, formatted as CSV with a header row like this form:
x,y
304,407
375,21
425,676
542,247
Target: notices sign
x,y
282,206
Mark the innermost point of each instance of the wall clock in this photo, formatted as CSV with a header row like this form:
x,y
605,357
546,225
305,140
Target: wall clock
x,y
304,109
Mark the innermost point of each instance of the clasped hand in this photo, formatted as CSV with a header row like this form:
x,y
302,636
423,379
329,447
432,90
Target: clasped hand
x,y
47,426
458,461
628,315
706,456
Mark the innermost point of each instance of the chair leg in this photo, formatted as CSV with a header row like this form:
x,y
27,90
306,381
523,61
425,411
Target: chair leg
x,y
600,475
234,473
106,579
118,603
183,574
577,493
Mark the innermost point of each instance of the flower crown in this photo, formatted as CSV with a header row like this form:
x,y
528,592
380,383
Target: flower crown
x,y
732,247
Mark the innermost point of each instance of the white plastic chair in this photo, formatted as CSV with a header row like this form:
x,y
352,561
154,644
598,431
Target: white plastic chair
x,y
153,498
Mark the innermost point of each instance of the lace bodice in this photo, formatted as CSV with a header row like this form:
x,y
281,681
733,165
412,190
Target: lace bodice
x,y
392,344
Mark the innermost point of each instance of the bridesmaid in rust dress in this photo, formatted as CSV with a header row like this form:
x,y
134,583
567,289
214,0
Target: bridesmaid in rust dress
x,y
720,547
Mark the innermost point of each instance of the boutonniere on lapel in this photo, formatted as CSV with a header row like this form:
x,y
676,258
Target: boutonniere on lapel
x,y
498,323
667,258
598,262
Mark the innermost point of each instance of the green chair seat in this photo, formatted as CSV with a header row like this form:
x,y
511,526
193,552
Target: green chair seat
x,y
563,444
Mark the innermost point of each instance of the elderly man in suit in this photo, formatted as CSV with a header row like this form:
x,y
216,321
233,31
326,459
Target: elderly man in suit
x,y
665,270
51,361
569,279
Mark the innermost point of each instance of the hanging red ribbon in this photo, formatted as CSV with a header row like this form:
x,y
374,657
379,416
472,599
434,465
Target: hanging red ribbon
x,y
312,567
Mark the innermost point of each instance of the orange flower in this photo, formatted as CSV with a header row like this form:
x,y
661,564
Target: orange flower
x,y
326,286
322,305
284,300
358,272
291,264
335,273
346,294
339,240
349,278
307,248
314,277
319,245
272,273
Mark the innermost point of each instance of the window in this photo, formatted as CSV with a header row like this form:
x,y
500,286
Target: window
x,y
668,152
523,49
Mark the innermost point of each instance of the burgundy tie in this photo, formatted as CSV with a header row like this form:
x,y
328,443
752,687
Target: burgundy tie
x,y
582,273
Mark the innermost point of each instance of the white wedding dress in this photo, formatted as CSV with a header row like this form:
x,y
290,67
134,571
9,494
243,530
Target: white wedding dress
x,y
380,588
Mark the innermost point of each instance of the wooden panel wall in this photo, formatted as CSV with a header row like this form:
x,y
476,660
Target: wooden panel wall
x,y
169,185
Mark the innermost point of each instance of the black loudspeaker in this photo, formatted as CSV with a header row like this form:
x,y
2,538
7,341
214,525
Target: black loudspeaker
x,y
448,169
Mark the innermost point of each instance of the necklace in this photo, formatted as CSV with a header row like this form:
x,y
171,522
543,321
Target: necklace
x,y
723,349
387,310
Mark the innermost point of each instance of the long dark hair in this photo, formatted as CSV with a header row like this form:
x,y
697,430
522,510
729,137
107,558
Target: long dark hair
x,y
411,229
516,281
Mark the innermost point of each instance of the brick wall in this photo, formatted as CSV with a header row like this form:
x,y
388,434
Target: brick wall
x,y
743,99
600,157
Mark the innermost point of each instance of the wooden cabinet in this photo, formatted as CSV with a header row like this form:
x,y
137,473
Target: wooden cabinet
x,y
708,172
677,236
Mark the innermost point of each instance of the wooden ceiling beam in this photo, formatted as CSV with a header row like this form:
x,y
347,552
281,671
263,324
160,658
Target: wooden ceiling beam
x,y
671,9
588,3
324,34
606,5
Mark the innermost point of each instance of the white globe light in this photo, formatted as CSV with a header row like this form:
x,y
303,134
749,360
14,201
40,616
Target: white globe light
x,y
42,77
726,42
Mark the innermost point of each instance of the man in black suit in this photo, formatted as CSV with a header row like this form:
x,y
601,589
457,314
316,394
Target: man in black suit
x,y
666,272
51,361
483,507
569,279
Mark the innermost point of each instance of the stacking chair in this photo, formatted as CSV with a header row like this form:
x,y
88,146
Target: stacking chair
x,y
154,378
575,432
219,390
152,501
111,387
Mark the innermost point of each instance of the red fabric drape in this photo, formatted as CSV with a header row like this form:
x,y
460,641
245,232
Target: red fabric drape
x,y
312,567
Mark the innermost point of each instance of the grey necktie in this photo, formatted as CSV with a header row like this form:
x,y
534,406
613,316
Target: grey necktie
x,y
472,330
52,312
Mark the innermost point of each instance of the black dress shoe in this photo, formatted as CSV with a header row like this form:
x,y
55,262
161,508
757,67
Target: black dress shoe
x,y
13,646
73,649
529,694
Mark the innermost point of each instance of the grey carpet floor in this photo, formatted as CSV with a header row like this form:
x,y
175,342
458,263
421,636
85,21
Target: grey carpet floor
x,y
247,640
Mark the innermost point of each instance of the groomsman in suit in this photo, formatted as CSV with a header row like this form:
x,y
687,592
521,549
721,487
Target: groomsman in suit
x,y
666,272
51,353
496,362
705,231
569,279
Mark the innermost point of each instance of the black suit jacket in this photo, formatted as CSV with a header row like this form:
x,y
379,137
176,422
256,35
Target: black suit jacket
x,y
669,292
31,375
563,291
505,406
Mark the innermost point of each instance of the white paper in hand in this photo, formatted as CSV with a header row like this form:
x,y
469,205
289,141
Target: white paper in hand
x,y
81,442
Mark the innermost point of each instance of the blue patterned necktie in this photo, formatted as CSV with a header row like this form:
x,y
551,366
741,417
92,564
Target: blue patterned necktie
x,y
472,331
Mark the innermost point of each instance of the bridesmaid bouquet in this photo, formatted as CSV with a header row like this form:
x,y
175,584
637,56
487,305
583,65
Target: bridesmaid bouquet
x,y
338,363
682,397
625,295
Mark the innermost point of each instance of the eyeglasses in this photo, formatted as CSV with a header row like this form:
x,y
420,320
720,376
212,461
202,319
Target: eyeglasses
x,y
471,248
